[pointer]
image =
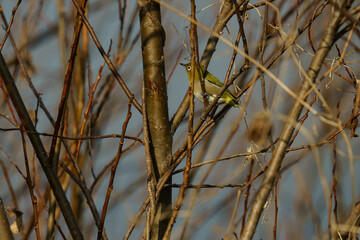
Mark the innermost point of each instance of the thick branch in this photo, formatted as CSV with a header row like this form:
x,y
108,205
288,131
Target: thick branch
x,y
152,42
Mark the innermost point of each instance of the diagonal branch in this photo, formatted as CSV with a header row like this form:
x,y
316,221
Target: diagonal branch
x,y
280,150
40,151
106,58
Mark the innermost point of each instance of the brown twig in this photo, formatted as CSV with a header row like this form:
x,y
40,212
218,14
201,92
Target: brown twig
x,y
247,193
8,27
276,208
301,121
8,182
233,215
31,189
88,107
113,172
106,58
186,174
67,84
332,231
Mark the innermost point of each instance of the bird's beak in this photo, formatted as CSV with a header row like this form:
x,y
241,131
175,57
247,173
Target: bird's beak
x,y
183,64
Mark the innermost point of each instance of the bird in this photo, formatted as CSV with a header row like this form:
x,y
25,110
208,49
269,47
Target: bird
x,y
212,86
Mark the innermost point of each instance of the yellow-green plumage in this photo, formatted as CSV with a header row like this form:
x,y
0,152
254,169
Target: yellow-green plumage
x,y
212,86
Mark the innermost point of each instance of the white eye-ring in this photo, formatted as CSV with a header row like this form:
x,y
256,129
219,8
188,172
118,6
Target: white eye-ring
x,y
188,68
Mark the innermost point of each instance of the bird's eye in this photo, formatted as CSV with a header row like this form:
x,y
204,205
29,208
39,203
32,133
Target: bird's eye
x,y
188,68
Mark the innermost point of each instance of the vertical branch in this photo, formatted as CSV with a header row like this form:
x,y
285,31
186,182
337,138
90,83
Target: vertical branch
x,y
186,175
261,55
59,124
67,84
229,231
31,189
276,208
62,32
150,176
331,223
247,193
152,43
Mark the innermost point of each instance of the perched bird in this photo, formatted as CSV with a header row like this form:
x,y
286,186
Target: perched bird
x,y
212,86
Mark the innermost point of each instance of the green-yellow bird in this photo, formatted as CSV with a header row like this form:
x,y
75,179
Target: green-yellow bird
x,y
212,86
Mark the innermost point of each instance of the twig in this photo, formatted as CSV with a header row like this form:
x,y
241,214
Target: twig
x,y
74,138
8,27
186,174
106,58
112,176
31,190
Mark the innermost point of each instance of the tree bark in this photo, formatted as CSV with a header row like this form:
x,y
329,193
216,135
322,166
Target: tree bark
x,y
152,42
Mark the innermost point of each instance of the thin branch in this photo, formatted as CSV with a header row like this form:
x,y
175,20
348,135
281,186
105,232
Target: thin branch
x,y
106,58
8,27
112,176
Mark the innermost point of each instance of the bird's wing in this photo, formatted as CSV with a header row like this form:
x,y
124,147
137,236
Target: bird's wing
x,y
212,79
